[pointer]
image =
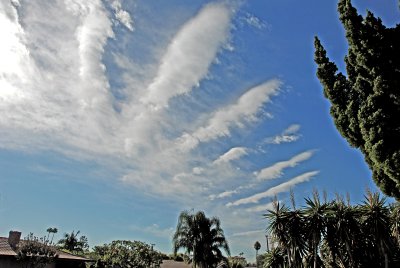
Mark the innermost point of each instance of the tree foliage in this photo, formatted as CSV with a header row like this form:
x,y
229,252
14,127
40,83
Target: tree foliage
x,y
365,103
52,231
335,234
126,254
74,244
202,238
35,252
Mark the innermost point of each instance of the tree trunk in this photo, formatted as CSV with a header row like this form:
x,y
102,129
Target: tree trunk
x,y
315,256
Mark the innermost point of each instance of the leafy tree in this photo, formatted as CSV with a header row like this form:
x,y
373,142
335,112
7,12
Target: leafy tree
x,y
365,103
72,243
35,252
202,237
127,254
237,261
236,264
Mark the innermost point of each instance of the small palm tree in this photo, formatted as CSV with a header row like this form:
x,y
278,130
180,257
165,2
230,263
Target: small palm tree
x,y
257,247
315,223
277,218
395,222
202,237
51,231
375,220
72,243
343,233
275,258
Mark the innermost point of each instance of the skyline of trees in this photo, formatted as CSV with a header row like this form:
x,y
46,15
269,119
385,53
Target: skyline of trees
x,y
335,233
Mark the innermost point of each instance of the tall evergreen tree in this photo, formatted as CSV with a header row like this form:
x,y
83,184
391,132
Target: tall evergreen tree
x,y
366,101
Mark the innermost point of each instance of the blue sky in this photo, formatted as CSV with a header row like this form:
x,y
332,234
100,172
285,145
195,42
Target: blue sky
x,y
118,115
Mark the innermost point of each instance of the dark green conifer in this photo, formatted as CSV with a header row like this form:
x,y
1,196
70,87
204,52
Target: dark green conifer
x,y
366,100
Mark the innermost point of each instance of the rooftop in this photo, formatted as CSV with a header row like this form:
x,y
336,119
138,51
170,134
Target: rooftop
x,y
7,250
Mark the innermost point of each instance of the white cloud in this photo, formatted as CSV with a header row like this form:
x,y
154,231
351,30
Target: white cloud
x,y
247,233
15,65
57,94
272,172
292,129
260,208
122,15
233,154
276,170
283,187
235,115
255,22
156,230
288,135
223,194
189,55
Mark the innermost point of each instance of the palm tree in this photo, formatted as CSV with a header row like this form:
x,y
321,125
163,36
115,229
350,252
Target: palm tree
x,y
275,258
202,237
395,222
375,220
71,242
296,237
277,218
315,223
257,247
343,233
51,231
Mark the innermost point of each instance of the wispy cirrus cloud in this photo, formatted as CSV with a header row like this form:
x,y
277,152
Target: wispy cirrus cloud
x,y
287,136
254,21
276,170
121,15
233,154
223,194
268,173
260,208
58,93
248,233
189,55
283,187
234,115
155,230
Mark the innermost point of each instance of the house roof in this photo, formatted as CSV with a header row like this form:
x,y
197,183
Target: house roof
x,y
174,264
7,250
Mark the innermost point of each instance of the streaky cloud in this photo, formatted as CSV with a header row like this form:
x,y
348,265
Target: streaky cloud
x,y
276,170
260,208
233,154
189,55
122,15
283,187
234,115
287,136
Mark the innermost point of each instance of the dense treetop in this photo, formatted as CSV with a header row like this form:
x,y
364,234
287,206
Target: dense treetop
x,y
366,100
